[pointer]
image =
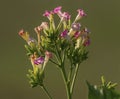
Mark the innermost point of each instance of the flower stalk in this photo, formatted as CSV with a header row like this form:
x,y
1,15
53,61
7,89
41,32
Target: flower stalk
x,y
46,91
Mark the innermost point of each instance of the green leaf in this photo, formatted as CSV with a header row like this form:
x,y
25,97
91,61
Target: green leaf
x,y
103,91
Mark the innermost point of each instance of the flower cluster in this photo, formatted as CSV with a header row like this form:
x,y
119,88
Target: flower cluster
x,y
56,43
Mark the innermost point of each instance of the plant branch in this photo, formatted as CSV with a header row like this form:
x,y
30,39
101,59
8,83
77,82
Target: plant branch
x,y
67,84
54,62
74,78
46,91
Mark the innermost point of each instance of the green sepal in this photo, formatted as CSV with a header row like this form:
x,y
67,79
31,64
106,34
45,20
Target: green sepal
x,y
29,50
32,50
35,78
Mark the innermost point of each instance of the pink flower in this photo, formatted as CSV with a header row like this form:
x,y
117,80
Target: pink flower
x,y
64,33
86,42
39,60
48,54
57,9
81,14
66,16
76,26
38,29
44,25
48,14
77,34
21,32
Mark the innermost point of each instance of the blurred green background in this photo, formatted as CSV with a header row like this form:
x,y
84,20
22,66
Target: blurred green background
x,y
103,21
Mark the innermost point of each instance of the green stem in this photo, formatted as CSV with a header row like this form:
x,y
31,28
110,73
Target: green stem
x,y
57,52
67,84
70,74
74,78
46,91
54,62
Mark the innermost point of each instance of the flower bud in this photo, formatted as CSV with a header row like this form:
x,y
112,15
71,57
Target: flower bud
x,y
38,29
44,25
86,42
24,35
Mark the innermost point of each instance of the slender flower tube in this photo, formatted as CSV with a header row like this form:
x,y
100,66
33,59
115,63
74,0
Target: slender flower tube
x,y
81,14
49,15
48,55
38,30
57,11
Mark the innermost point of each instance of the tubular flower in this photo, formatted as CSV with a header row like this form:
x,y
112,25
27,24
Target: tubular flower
x,y
48,14
44,25
81,14
38,29
48,55
57,11
65,16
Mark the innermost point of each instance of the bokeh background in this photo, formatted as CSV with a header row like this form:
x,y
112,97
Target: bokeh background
x,y
103,21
